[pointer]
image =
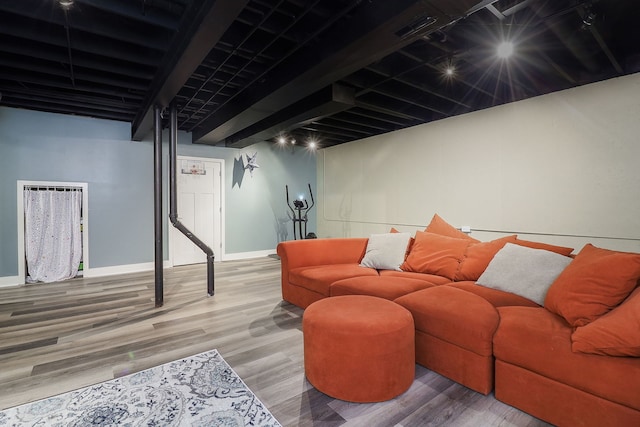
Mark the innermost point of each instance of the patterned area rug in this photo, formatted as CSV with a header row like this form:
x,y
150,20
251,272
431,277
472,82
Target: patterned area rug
x,y
201,390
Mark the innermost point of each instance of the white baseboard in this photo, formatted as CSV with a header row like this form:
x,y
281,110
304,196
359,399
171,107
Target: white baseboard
x,y
248,255
9,281
123,269
12,281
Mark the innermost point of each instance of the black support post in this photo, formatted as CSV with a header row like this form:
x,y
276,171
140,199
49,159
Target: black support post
x,y
157,204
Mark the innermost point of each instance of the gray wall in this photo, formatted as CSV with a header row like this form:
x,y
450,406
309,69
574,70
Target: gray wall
x,y
561,168
54,147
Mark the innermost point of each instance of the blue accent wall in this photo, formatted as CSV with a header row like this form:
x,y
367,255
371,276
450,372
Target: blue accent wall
x,y
257,217
55,147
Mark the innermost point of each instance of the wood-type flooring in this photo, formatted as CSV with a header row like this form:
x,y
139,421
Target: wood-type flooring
x,y
61,336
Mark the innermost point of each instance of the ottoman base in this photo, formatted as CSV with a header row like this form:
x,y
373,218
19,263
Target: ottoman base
x,y
359,348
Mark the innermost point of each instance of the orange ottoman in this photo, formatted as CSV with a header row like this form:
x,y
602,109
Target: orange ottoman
x,y
359,348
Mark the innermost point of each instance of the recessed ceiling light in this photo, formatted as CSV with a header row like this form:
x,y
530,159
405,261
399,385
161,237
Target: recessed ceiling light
x,y
282,140
449,71
505,49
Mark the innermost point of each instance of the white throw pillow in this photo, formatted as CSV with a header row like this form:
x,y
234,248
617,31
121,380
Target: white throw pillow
x,y
523,271
386,251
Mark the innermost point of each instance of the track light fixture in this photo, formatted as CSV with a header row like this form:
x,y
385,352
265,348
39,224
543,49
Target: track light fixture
x,y
589,18
310,143
65,4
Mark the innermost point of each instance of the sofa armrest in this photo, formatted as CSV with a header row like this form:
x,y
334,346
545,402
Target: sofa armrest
x,y
312,252
302,253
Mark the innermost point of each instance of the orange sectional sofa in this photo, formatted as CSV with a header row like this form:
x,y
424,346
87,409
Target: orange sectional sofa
x,y
569,355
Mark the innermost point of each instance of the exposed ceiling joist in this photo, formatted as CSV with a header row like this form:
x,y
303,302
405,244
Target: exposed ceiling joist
x,y
324,103
128,9
243,71
372,36
587,18
200,30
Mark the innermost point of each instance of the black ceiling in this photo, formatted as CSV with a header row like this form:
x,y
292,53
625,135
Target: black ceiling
x,y
242,71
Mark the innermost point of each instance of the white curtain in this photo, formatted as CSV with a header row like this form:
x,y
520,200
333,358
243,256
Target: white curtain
x,y
53,242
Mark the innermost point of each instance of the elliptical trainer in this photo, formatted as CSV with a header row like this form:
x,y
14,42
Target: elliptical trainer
x,y
302,208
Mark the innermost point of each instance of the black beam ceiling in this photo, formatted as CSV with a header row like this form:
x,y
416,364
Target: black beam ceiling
x,y
80,102
369,36
267,40
10,101
401,76
50,69
30,50
379,116
89,21
201,27
388,110
65,84
565,34
137,11
330,123
328,130
471,85
325,102
25,31
359,121
403,95
593,28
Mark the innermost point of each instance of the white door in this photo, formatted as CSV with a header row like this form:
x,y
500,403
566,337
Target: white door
x,y
199,193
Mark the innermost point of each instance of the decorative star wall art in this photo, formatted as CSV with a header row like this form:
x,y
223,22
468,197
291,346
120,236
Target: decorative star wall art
x,y
251,163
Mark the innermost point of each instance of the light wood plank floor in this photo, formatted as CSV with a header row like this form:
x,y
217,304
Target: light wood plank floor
x,y
59,337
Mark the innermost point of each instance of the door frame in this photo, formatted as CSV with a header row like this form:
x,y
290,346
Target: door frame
x,y
22,271
218,252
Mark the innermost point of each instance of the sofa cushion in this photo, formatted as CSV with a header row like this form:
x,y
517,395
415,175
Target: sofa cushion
x,y
443,228
540,341
455,316
477,257
435,254
617,333
431,278
386,251
496,297
595,282
524,271
411,240
318,277
562,250
387,287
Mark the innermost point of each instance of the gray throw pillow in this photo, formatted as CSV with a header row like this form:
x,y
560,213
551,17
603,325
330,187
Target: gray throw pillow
x,y
386,251
523,271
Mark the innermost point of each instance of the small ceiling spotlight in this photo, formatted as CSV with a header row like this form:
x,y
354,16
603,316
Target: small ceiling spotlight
x,y
589,18
448,69
65,4
505,50
312,145
293,141
282,140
